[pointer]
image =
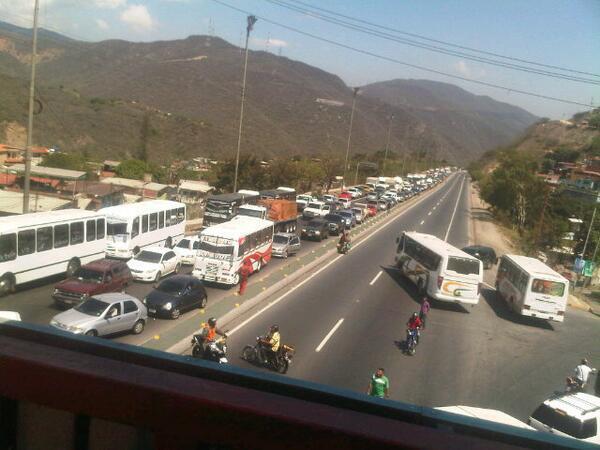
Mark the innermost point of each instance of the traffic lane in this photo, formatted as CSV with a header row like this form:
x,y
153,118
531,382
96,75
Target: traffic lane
x,y
462,218
309,313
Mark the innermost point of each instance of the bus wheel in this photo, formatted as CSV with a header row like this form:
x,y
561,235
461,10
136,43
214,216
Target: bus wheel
x,y
73,266
169,242
7,285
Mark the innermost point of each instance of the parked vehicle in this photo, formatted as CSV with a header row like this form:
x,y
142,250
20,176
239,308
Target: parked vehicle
x,y
97,277
216,351
345,195
575,415
152,263
303,200
38,245
186,249
316,209
328,198
280,363
372,209
531,288
372,197
175,295
344,203
283,213
132,227
360,213
486,254
285,244
439,269
279,194
383,205
336,224
317,229
103,315
224,207
349,217
224,248
355,192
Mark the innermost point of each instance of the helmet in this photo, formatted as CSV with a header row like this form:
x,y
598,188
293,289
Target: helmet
x,y
212,322
415,315
274,328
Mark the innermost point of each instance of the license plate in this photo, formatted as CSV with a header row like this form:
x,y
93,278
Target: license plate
x,y
153,311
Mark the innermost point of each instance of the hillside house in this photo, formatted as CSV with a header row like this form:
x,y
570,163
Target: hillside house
x,y
100,195
144,189
193,194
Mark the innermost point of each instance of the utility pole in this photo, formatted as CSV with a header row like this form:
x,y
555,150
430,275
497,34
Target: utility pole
x,y
387,144
355,91
541,221
251,21
27,180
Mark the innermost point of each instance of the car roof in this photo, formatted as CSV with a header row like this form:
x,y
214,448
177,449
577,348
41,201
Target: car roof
x,y
111,297
575,405
156,249
102,265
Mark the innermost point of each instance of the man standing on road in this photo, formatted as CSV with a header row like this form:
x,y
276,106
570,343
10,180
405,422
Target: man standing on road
x,y
379,386
582,373
425,307
245,272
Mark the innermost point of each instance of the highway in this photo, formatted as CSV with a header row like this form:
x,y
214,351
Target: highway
x,y
348,319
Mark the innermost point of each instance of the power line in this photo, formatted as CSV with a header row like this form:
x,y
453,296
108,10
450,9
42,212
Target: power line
x,y
432,48
449,44
403,63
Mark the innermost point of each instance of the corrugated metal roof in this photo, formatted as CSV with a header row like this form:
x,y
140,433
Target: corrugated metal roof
x,y
197,186
12,202
52,172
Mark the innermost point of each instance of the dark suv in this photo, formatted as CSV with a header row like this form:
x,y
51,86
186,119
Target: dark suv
x,y
317,229
487,255
336,223
97,277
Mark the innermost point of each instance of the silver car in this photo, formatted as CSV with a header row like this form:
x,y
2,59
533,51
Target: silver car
x,y
104,314
285,244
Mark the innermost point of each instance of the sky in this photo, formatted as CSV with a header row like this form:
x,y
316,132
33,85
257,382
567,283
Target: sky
x,y
560,33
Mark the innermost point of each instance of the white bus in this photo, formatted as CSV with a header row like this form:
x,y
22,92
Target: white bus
x,y
531,288
439,269
130,227
38,245
224,247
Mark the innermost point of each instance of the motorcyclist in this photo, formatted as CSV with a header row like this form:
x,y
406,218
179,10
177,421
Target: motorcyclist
x,y
270,344
344,239
414,324
208,334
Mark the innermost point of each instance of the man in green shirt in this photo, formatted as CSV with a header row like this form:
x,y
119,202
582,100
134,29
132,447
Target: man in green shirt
x,y
379,385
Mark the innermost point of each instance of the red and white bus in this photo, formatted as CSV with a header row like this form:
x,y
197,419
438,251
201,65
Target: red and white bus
x,y
224,248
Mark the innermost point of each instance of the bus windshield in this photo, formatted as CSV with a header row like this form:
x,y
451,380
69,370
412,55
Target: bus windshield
x,y
548,287
217,250
116,228
463,266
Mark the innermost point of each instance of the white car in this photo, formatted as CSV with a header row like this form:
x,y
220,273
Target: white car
x,y
329,198
575,415
303,200
355,192
152,263
345,203
187,248
316,209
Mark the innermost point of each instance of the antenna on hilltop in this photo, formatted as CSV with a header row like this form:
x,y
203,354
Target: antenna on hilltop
x,y
268,42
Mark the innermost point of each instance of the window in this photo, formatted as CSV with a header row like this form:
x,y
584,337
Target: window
x,y
44,239
196,245
545,287
76,233
100,229
153,221
61,235
169,255
463,266
180,215
167,218
117,307
135,227
161,219
26,242
8,247
145,223
90,230
129,307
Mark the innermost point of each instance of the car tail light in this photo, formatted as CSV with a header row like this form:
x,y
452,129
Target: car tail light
x,y
440,280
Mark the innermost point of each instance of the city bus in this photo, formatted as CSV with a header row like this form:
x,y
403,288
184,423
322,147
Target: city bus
x,y
38,245
131,227
224,248
439,269
531,288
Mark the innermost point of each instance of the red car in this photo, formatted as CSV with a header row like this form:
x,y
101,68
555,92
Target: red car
x,y
346,195
97,277
372,209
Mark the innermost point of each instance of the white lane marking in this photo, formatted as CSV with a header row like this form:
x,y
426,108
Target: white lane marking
x,y
354,247
326,338
376,278
422,222
429,213
454,212
435,207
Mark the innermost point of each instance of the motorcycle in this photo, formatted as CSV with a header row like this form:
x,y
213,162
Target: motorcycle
x,y
574,385
343,248
216,351
280,362
412,340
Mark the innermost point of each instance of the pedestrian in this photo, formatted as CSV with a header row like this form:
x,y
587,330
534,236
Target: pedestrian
x,y
245,272
425,307
582,373
379,386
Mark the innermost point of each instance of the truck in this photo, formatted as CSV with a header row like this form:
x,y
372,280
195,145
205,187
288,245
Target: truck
x,y
281,212
224,207
279,193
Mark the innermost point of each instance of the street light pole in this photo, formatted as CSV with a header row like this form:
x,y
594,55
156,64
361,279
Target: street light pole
x,y
387,144
587,238
355,91
251,21
26,184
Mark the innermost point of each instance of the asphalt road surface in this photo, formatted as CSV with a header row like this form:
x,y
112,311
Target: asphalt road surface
x,y
349,319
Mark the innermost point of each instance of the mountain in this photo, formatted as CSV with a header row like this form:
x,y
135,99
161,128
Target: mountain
x,y
291,107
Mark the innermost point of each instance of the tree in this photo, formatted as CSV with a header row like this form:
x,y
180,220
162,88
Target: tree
x,y
594,120
251,175
332,167
309,173
64,161
132,168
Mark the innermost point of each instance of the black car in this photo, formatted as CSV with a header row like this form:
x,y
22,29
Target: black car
x,y
336,223
317,229
176,294
487,255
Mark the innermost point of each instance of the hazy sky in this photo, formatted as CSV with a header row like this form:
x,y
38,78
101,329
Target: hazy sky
x,y
554,32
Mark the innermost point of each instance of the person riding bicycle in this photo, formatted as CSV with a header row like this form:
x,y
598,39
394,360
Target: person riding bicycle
x,y
413,325
270,344
209,332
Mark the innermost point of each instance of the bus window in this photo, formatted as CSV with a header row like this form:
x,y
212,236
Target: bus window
x,y
76,236
61,235
153,222
100,229
145,223
8,247
26,242
90,230
548,287
135,227
161,219
44,239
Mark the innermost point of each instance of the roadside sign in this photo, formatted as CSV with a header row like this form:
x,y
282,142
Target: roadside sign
x,y
588,268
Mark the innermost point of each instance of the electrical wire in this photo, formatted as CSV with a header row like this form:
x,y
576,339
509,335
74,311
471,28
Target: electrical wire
x,y
403,63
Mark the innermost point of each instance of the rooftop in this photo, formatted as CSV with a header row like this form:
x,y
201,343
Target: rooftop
x,y
135,184
94,188
51,172
12,202
32,218
534,265
196,186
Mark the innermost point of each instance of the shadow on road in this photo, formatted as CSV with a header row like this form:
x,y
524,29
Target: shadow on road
x,y
481,214
411,290
502,311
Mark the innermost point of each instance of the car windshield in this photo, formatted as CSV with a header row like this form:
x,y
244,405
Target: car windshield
x,y
84,274
170,286
279,239
92,307
148,256
314,205
184,243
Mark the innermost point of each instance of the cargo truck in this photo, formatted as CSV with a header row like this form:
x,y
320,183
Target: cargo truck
x,y
282,213
224,207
